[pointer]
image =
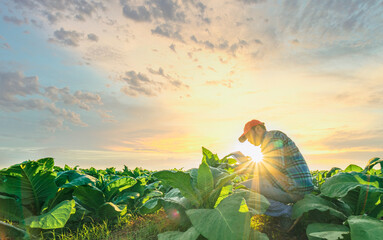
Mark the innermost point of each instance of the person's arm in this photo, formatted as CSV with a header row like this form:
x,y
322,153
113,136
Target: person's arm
x,y
274,160
240,157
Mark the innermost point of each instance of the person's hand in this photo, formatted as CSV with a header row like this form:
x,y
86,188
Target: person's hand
x,y
240,157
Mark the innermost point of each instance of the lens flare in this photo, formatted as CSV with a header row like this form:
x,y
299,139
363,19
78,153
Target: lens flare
x,y
174,214
252,151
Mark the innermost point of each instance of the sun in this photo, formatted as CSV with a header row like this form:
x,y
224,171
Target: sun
x,y
252,151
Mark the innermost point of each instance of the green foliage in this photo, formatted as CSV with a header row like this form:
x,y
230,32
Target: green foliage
x,y
31,183
182,181
190,234
205,203
56,218
107,202
27,195
317,231
193,203
353,168
12,232
365,227
351,197
312,202
223,222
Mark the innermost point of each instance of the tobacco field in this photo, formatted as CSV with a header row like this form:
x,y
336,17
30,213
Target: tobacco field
x,y
39,200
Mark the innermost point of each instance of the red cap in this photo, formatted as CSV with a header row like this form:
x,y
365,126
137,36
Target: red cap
x,y
248,127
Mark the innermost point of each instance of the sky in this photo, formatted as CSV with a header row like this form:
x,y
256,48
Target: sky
x,y
148,83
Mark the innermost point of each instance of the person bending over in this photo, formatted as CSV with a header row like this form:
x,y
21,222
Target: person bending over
x,y
283,176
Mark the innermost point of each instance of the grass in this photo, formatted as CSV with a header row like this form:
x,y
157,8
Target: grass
x,y
134,227
129,227
270,226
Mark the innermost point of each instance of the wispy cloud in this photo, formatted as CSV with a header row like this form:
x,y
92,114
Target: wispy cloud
x,y
225,83
20,93
15,20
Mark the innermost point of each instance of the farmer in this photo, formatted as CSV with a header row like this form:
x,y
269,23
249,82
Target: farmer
x,y
283,176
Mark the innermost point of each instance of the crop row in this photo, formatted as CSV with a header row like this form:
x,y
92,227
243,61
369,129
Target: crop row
x,y
208,202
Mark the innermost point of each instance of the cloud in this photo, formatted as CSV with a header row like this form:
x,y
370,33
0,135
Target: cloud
x,y
295,42
237,46
14,83
352,140
225,83
251,1
364,96
82,99
69,38
139,84
52,18
56,10
172,81
20,93
164,11
140,14
173,47
206,44
52,124
258,41
167,30
93,37
15,20
66,114
168,10
5,46
232,49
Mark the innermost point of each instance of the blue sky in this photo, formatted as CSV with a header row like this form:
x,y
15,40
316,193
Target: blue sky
x,y
148,83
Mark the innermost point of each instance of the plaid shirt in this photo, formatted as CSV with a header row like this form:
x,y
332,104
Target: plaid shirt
x,y
284,164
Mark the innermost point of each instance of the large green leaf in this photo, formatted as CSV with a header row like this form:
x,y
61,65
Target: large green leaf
x,y
190,234
225,222
221,179
363,200
180,180
353,168
61,195
372,162
364,227
89,197
72,178
311,202
109,210
118,185
225,192
8,231
340,184
205,181
10,209
47,163
210,158
175,206
152,194
377,212
256,202
125,197
29,183
326,231
361,192
56,218
151,206
218,174
255,235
